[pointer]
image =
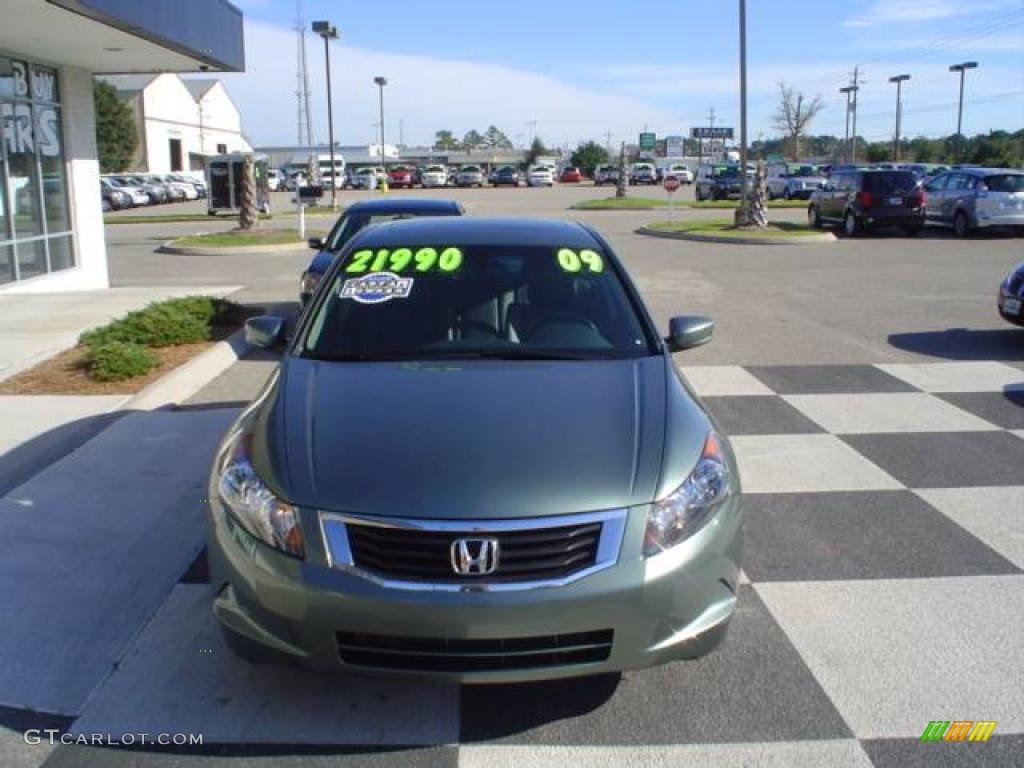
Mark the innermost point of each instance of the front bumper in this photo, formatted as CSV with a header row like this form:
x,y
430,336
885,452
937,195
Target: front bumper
x,y
673,606
1017,317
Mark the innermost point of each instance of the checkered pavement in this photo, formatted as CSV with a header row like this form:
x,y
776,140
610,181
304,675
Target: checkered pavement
x,y
882,589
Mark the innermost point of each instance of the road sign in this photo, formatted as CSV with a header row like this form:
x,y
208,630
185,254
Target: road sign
x,y
671,184
707,132
647,141
673,146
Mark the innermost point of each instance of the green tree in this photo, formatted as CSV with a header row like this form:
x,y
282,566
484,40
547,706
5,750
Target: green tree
x,y
588,156
537,149
116,138
446,140
472,140
495,139
879,151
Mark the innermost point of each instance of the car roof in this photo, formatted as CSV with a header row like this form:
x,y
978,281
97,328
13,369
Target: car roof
x,y
405,205
470,230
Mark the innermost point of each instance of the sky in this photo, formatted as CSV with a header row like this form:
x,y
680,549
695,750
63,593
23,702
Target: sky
x,y
574,70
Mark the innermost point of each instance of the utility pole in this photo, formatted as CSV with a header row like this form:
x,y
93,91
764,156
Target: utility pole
x,y
846,138
401,132
856,88
329,32
745,182
532,125
608,141
899,80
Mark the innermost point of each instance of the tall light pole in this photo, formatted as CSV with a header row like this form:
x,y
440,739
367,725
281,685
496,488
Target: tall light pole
x,y
381,82
329,32
743,100
962,69
848,90
899,80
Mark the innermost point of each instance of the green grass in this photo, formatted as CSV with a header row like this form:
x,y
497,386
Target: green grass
x,y
237,238
619,204
170,218
729,204
725,228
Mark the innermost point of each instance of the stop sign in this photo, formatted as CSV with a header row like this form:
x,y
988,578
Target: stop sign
x,y
671,183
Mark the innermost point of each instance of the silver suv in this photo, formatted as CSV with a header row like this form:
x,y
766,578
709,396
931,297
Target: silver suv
x,y
793,181
971,198
469,176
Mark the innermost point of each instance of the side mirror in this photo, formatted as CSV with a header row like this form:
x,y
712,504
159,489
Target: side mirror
x,y
264,331
689,331
316,243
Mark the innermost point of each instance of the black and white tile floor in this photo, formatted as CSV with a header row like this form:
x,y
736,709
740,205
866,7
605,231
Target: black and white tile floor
x,y
883,588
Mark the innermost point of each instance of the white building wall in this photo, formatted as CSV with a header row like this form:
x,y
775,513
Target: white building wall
x,y
83,171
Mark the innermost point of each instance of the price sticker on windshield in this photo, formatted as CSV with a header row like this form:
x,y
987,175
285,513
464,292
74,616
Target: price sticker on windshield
x,y
580,261
405,259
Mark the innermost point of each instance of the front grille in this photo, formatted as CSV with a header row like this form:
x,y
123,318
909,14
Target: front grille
x,y
525,554
429,654
1016,284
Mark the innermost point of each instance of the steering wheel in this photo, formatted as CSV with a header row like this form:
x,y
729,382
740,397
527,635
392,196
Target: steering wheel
x,y
477,325
564,318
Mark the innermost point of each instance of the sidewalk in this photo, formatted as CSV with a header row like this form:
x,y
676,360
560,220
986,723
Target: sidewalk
x,y
37,326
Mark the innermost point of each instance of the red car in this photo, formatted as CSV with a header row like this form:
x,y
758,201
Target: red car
x,y
400,177
571,176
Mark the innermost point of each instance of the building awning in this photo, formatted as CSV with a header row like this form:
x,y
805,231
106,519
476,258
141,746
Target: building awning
x,y
126,36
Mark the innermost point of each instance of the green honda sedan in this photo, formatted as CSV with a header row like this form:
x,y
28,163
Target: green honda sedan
x,y
476,460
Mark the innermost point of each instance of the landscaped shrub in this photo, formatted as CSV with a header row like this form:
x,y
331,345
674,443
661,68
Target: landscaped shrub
x,y
117,360
177,321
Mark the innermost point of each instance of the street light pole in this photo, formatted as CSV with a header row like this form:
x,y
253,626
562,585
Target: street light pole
x,y
329,32
899,80
743,100
962,69
381,82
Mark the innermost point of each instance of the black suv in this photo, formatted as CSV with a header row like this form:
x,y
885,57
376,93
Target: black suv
x,y
861,199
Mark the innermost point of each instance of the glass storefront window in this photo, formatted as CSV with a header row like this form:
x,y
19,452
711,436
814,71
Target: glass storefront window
x,y
35,222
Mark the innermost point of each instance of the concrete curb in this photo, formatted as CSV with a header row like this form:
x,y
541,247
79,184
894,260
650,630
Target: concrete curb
x,y
824,237
623,210
185,380
184,250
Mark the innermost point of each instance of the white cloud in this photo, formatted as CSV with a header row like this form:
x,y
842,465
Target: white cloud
x,y
426,93
886,12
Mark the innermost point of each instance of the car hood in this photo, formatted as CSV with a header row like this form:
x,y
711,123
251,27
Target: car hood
x,y
463,440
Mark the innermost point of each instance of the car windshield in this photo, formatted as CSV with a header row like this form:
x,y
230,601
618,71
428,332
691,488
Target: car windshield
x,y
1008,182
726,170
804,171
434,169
350,223
889,182
470,169
504,302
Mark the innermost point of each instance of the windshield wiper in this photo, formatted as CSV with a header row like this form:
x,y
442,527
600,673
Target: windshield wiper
x,y
352,357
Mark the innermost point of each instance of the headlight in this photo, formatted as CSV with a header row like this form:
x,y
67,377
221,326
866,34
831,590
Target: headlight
x,y
310,280
682,513
257,509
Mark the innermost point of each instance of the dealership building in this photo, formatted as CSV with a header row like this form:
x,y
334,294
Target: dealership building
x,y
51,222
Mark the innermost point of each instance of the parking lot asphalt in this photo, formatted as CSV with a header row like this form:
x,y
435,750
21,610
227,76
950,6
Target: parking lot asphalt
x,y
876,404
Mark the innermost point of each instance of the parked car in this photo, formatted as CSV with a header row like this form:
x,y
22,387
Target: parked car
x,y
571,175
860,200
434,176
295,180
506,175
114,199
606,174
975,198
1010,299
156,193
197,184
439,482
400,177
359,216
718,181
138,195
793,181
469,176
643,173
186,189
175,193
364,178
275,180
540,176
680,170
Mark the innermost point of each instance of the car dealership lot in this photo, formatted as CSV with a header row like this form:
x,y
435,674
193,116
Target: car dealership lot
x,y
876,404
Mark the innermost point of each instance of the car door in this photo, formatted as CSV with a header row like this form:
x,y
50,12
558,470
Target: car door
x,y
833,197
936,189
957,187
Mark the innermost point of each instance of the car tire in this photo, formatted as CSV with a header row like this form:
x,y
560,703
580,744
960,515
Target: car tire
x,y
961,225
851,227
813,217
